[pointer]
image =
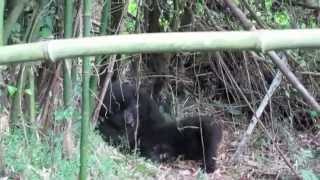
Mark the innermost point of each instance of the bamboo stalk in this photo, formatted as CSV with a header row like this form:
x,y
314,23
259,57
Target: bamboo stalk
x,y
2,5
105,24
67,82
32,99
68,144
264,40
84,144
13,17
16,109
105,17
2,155
175,23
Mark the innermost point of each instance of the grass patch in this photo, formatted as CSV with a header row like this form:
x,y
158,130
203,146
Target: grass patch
x,y
41,158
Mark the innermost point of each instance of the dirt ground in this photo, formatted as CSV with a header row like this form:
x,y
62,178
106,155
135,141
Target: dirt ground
x,y
264,162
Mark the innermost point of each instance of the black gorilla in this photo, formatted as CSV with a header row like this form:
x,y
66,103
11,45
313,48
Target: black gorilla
x,y
125,113
196,138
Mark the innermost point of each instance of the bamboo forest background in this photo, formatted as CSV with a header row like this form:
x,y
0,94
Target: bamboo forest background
x,y
40,102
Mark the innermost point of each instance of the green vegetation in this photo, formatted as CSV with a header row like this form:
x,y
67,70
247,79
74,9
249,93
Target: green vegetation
x,y
41,157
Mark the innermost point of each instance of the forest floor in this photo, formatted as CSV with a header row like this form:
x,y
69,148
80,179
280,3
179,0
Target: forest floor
x,y
43,158
260,161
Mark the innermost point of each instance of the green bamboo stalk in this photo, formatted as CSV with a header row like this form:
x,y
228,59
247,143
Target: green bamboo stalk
x,y
29,67
105,24
69,10
93,88
176,19
2,163
31,99
13,17
2,5
84,144
67,81
105,17
16,110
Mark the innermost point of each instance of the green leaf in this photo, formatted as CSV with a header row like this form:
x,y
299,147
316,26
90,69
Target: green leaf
x,y
268,4
45,32
308,175
199,8
132,7
314,114
46,27
282,18
28,91
11,90
63,114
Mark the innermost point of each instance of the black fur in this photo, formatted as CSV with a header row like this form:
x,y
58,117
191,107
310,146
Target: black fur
x,y
121,116
158,140
167,141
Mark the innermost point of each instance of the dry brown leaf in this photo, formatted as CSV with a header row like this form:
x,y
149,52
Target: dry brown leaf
x,y
4,124
68,142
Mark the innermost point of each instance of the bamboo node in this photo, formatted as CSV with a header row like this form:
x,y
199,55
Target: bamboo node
x,y
46,51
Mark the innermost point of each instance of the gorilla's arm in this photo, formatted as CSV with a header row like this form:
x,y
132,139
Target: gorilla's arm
x,y
167,141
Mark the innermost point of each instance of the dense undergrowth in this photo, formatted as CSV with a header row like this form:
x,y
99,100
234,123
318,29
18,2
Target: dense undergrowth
x,y
35,157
